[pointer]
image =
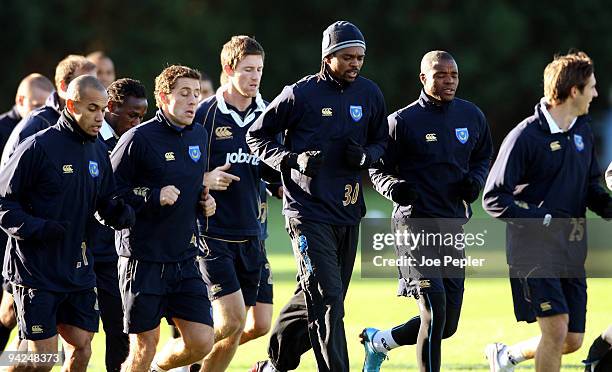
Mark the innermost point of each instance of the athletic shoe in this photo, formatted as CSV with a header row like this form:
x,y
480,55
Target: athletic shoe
x,y
493,353
263,365
373,359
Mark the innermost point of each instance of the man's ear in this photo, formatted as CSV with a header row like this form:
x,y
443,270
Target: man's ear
x,y
164,98
574,91
19,100
70,105
228,70
63,86
110,106
423,78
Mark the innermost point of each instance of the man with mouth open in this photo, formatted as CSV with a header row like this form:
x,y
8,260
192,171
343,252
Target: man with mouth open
x,y
435,165
159,166
335,127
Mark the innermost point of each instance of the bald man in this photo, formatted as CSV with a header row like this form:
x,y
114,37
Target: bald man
x,y
31,94
67,69
105,68
49,188
435,166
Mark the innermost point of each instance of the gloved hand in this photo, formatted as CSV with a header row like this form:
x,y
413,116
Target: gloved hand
x,y
468,189
404,193
117,214
53,231
355,155
606,212
308,163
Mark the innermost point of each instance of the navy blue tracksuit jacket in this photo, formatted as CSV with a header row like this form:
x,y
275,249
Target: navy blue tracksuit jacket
x,y
238,206
148,157
59,174
320,113
537,173
434,147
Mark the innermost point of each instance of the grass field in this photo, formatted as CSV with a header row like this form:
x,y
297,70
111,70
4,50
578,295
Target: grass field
x,y
487,313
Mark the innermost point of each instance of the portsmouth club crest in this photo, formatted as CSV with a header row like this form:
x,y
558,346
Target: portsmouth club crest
x,y
94,170
578,142
356,112
462,134
195,153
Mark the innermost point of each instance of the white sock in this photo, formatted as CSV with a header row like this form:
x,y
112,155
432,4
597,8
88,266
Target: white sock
x,y
383,341
269,367
514,355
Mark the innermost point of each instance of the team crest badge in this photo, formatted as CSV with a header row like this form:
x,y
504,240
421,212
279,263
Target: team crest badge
x,y
194,153
462,134
356,112
578,142
93,169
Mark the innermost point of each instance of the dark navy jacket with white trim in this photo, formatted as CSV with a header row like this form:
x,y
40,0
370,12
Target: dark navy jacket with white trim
x,y
238,207
147,158
434,147
315,114
59,174
537,173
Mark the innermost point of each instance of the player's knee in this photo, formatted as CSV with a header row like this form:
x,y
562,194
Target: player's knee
x,y
7,318
452,322
449,330
573,342
260,328
145,346
556,332
82,352
233,324
199,346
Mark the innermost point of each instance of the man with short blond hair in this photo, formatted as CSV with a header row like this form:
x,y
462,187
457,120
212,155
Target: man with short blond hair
x,y
233,260
545,177
159,166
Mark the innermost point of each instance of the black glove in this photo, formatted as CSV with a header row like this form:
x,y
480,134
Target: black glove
x,y
308,163
117,214
53,231
355,155
404,193
606,212
468,190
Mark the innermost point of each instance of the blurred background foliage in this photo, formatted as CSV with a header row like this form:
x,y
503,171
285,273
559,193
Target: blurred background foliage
x,y
501,47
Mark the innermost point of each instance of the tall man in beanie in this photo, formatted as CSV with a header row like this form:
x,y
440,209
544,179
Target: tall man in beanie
x,y
335,126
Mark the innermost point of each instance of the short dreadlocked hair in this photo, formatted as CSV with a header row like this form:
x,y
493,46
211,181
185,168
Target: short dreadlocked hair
x,y
120,89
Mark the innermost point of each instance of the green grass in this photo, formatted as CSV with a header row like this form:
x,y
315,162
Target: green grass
x,y
487,313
